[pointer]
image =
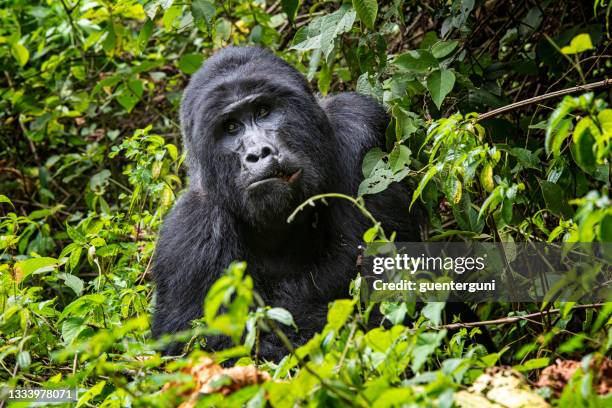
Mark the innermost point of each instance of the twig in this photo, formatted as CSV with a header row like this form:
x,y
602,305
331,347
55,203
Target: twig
x,y
588,87
513,319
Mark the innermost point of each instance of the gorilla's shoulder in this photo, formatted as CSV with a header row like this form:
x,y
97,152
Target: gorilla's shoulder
x,y
355,112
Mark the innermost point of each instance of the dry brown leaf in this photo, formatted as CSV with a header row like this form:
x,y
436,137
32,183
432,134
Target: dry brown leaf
x,y
557,376
211,378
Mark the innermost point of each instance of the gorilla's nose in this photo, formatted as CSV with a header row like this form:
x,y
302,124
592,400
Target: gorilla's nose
x,y
259,153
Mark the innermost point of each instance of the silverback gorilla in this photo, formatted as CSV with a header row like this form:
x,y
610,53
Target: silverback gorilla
x,y
259,143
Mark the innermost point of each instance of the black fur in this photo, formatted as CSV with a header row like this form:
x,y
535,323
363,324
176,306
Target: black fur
x,y
300,266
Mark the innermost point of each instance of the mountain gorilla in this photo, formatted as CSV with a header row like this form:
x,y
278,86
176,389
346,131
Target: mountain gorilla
x,y
258,144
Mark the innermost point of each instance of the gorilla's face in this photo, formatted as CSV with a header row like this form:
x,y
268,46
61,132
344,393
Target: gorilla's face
x,y
257,140
269,175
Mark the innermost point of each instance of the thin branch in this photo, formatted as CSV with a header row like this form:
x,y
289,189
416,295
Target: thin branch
x,y
588,87
514,319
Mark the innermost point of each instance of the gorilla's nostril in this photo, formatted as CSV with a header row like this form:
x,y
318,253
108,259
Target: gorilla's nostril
x,y
265,151
252,158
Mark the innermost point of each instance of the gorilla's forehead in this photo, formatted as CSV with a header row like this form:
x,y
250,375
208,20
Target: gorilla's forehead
x,y
237,72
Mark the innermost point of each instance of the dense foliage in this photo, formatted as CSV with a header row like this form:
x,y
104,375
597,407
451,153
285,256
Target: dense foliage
x,y
91,160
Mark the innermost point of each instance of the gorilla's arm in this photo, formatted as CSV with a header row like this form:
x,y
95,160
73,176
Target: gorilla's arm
x,y
359,123
189,257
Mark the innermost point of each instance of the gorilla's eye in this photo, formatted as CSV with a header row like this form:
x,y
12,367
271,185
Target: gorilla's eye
x,y
231,126
262,111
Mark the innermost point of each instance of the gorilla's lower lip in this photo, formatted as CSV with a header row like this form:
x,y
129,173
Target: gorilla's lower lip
x,y
283,177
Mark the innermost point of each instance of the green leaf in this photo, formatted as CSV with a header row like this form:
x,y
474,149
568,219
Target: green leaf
x,y
290,8
555,199
338,314
430,173
442,48
533,364
555,137
203,10
145,34
34,265
371,159
322,32
366,11
21,53
280,315
584,142
90,394
128,94
580,43
23,359
73,282
417,61
605,228
190,63
5,199
71,328
439,84
433,312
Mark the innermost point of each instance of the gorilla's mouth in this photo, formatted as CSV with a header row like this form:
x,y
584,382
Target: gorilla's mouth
x,y
288,177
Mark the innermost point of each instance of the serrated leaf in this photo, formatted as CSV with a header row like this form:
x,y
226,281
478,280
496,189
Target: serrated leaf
x,y
440,83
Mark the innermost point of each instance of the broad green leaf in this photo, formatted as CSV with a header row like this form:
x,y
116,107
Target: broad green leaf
x,y
433,312
442,48
605,228
555,137
580,43
555,199
280,315
533,364
372,157
584,143
366,11
5,199
417,61
90,394
203,10
190,63
145,34
21,53
25,268
439,84
71,328
128,94
338,314
322,32
73,282
486,178
290,8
